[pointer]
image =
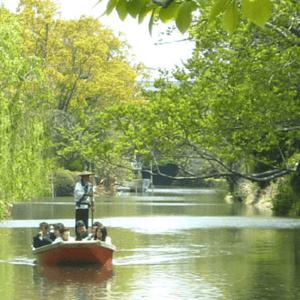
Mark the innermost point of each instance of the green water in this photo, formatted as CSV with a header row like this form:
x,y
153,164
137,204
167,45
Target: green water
x,y
172,244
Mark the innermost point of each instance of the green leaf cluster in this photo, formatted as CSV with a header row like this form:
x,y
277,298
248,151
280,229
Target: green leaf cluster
x,y
183,11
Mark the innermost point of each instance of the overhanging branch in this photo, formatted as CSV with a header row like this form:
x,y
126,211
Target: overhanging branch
x,y
224,171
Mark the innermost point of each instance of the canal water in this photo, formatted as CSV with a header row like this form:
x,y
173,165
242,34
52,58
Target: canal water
x,y
172,244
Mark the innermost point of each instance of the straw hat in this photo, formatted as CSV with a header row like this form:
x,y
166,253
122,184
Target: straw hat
x,y
86,173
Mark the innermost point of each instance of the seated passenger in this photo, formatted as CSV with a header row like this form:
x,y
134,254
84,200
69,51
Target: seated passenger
x,y
64,236
101,234
57,228
81,231
94,227
43,237
98,234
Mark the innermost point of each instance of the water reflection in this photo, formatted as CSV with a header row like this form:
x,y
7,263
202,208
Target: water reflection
x,y
166,284
73,282
73,274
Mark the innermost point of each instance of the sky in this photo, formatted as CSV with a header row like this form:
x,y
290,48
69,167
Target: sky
x,y
143,46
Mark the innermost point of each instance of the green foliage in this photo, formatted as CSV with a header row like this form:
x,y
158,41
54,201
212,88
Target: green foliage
x,y
23,164
56,76
87,69
134,7
231,18
121,8
3,209
257,11
181,11
219,7
184,16
287,199
233,108
295,183
111,4
169,13
63,183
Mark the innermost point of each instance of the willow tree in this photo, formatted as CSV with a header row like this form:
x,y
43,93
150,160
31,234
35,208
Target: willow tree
x,y
23,162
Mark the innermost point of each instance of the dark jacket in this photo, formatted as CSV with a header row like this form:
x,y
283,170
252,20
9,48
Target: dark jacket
x,y
52,236
39,242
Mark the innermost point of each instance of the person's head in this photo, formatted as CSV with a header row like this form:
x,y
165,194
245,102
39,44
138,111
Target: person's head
x,y
64,233
57,228
85,176
96,224
44,227
98,233
80,227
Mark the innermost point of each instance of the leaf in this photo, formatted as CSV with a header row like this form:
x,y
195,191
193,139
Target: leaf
x,y
143,13
168,13
122,9
231,18
111,4
135,6
257,11
151,22
218,8
184,16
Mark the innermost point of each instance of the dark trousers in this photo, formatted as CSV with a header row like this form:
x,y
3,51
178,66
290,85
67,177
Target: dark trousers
x,y
83,215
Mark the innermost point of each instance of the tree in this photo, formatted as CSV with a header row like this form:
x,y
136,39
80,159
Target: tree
x,y
183,11
234,111
24,165
86,67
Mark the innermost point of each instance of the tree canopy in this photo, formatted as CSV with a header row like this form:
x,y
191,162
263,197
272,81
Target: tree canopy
x,y
233,110
56,76
86,67
69,95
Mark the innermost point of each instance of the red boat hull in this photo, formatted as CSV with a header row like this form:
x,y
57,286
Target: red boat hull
x,y
76,253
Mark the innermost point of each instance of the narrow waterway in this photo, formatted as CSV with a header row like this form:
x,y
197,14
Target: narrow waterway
x,y
172,244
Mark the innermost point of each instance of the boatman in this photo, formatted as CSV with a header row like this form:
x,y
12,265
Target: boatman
x,y
83,194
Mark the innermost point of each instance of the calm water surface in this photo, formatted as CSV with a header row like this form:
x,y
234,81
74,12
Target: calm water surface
x,y
172,244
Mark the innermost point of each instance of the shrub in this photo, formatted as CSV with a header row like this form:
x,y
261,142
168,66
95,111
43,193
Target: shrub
x,y
287,198
63,181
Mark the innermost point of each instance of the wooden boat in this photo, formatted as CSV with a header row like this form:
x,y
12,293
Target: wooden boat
x,y
76,253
